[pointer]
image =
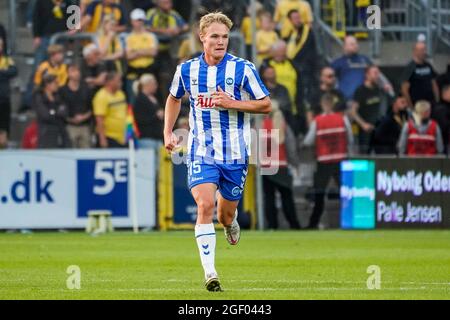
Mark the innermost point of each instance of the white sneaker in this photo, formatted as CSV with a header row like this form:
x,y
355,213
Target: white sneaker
x,y
212,283
233,232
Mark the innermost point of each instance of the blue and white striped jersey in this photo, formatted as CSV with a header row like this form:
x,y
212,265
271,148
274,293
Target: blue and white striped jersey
x,y
216,133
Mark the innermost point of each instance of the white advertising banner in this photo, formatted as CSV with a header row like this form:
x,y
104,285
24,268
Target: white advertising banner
x,y
43,189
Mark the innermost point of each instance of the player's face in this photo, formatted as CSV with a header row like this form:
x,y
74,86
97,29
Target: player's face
x,y
215,40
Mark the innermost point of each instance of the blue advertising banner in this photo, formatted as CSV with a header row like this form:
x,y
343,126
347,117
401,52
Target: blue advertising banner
x,y
357,194
103,185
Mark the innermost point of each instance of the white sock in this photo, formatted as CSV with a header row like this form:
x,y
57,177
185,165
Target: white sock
x,y
206,242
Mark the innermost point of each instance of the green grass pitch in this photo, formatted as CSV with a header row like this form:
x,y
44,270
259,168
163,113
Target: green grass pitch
x,y
264,265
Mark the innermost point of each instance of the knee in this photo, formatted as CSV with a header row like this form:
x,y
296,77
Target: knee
x,y
205,207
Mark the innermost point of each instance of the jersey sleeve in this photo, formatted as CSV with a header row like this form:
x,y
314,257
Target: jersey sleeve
x,y
177,88
252,83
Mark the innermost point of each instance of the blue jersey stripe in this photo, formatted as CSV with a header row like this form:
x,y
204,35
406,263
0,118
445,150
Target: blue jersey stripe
x,y
226,145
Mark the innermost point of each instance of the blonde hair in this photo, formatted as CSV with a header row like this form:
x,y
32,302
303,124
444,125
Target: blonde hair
x,y
143,80
422,106
214,17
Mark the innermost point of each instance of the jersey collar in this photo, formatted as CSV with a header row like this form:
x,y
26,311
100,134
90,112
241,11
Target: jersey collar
x,y
204,64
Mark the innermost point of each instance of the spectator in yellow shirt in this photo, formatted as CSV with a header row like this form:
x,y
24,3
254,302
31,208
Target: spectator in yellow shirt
x,y
266,37
246,29
110,110
54,65
281,15
142,47
109,45
96,11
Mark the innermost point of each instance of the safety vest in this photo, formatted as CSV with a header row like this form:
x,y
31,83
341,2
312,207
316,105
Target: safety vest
x,y
270,158
421,143
331,138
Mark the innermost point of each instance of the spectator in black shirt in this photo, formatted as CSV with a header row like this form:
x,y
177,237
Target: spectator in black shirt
x,y
148,112
388,131
444,79
49,17
75,95
442,116
3,37
51,114
93,69
366,108
7,71
327,85
301,48
419,78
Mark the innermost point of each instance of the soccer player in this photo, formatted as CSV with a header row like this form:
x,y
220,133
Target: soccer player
x,y
223,91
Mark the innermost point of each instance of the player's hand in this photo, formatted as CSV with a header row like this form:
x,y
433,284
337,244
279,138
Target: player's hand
x,y
170,141
222,99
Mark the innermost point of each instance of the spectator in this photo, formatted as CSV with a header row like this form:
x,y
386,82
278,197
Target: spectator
x,y
235,9
327,85
331,132
142,47
3,38
75,95
148,113
419,78
167,24
110,110
444,79
279,93
96,11
286,75
110,46
51,114
266,37
49,17
366,108
30,136
421,136
281,15
442,116
190,47
350,68
246,29
301,49
93,70
282,180
54,65
387,132
7,71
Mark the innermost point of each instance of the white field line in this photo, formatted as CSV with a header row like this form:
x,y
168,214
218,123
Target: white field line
x,y
240,290
243,281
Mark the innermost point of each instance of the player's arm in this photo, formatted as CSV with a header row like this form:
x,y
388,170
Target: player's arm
x,y
172,110
224,100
